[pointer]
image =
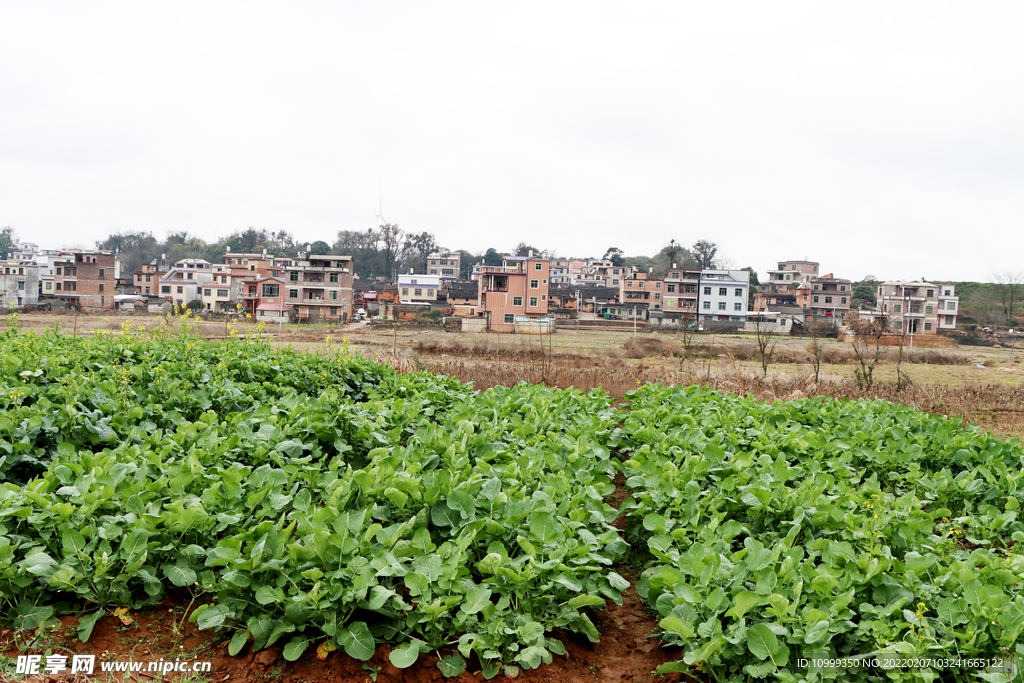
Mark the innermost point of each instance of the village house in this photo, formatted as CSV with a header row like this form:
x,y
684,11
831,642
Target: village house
x,y
86,279
515,290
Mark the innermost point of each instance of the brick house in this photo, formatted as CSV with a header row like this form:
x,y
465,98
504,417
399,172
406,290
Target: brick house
x,y
642,288
516,289
85,279
320,288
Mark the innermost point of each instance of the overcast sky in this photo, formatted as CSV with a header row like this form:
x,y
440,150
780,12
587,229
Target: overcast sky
x,y
876,138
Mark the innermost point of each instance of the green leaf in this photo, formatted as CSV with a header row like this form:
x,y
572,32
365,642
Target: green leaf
x,y
406,654
29,616
213,617
761,641
238,641
586,601
816,632
295,647
86,624
451,666
179,575
674,624
742,603
357,640
476,600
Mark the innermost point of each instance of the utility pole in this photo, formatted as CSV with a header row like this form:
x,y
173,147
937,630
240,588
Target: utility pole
x,y
634,321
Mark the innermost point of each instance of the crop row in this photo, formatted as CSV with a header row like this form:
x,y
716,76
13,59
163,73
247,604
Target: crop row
x,y
819,531
326,501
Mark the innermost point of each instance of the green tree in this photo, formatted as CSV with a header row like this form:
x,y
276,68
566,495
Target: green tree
x,y
863,293
319,248
524,249
615,255
492,258
8,241
704,253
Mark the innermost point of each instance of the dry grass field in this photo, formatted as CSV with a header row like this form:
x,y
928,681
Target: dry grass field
x,y
982,385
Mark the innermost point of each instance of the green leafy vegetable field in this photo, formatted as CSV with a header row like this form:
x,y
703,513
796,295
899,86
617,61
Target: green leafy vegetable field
x,y
327,502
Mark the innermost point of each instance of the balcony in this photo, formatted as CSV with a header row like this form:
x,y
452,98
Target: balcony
x,y
322,302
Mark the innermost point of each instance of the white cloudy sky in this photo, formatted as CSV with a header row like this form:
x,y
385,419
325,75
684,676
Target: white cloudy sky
x,y
882,138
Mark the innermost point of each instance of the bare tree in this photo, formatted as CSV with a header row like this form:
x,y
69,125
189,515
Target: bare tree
x,y
704,252
1010,283
815,347
765,343
867,347
391,246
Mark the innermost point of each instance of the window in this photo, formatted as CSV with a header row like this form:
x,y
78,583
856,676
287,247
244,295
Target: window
x,y
657,296
293,294
430,291
927,309
293,276
533,301
58,270
252,267
640,284
707,305
181,289
815,285
334,310
615,271
223,279
418,291
815,299
412,281
897,307
147,288
931,293
517,301
543,297
737,307
843,300
739,291
147,278
101,274
949,292
950,305
544,281
509,319
334,277
223,293
206,292
21,285
534,284
270,289
165,289
615,282
58,286
657,285
671,289
721,305
405,291
842,288
538,266
332,295
828,299
927,327
723,291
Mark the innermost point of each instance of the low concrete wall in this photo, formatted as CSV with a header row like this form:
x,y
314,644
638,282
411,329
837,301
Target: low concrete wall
x,y
535,327
474,324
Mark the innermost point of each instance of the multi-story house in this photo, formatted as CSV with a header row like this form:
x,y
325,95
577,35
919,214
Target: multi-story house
x,y
559,271
722,295
789,273
830,297
182,283
320,288
416,288
19,282
517,289
641,288
264,298
146,280
86,279
681,292
222,293
445,265
917,307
